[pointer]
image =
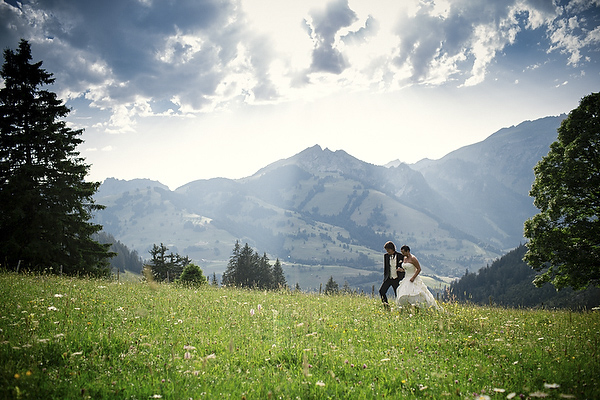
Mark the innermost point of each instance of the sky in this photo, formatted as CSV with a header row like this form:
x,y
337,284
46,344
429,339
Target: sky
x,y
180,90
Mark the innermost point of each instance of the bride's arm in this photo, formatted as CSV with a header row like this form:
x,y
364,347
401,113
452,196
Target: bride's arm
x,y
415,262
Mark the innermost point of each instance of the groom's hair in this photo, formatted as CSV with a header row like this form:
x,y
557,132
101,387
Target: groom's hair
x,y
405,247
390,245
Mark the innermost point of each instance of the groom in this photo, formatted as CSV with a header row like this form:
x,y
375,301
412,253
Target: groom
x,y
393,272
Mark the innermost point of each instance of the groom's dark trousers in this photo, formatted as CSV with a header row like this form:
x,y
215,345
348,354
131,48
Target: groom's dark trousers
x,y
387,280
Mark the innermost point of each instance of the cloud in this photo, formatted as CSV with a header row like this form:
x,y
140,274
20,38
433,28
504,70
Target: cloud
x,y
324,27
360,36
574,34
461,39
136,59
121,52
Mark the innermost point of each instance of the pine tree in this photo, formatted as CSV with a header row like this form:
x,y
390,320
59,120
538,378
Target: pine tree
x,y
346,288
166,267
242,267
247,269
45,203
124,259
230,276
332,286
278,276
264,273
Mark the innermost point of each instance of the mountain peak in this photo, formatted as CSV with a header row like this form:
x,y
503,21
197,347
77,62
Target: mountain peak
x,y
114,185
317,159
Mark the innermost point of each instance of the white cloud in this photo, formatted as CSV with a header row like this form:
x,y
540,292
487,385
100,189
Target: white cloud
x,y
136,65
207,53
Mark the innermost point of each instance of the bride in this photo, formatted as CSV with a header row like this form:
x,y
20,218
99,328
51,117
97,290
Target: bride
x,y
412,290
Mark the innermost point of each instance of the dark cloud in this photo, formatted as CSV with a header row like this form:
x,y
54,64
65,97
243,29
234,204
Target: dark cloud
x,y
328,59
325,25
118,45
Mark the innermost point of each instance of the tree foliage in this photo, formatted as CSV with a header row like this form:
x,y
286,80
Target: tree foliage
x,y
45,203
192,275
332,286
247,269
508,282
166,267
564,237
124,259
278,277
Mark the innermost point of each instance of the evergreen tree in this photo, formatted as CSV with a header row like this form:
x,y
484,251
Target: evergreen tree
x,y
247,269
508,282
563,237
166,267
124,259
45,202
331,287
242,266
278,276
214,281
230,276
346,288
263,276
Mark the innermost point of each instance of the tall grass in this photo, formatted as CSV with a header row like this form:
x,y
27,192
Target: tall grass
x,y
66,338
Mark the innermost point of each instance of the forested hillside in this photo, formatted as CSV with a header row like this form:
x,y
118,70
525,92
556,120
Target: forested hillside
x,y
125,259
508,282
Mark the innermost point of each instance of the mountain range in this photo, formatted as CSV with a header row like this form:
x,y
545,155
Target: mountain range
x,y
326,213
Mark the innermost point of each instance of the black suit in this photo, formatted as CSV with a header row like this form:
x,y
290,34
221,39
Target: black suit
x,y
387,280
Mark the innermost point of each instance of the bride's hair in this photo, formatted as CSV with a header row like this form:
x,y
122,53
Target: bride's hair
x,y
405,247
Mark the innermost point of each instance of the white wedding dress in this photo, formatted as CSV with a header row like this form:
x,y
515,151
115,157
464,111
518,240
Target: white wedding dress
x,y
414,293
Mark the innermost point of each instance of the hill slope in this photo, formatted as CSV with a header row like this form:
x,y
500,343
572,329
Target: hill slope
x,y
322,208
508,282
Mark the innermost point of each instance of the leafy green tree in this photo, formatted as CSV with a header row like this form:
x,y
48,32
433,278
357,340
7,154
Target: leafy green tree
x,y
192,275
166,267
332,286
564,236
45,202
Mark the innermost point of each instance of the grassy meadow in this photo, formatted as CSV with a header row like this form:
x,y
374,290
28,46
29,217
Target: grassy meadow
x,y
69,338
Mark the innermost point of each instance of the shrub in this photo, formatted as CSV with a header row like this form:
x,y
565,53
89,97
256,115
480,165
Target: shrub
x,y
192,275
